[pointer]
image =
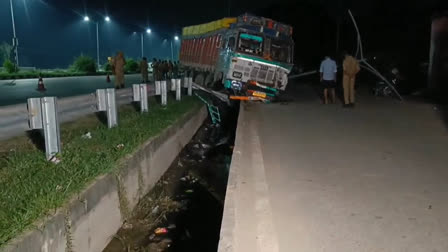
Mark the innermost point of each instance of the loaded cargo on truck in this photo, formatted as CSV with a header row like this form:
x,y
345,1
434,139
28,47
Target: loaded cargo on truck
x,y
249,56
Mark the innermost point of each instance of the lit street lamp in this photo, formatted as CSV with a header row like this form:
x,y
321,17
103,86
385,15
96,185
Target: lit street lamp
x,y
176,38
15,41
107,19
148,31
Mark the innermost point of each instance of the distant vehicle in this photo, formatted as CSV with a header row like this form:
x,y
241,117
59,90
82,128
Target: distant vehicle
x,y
237,52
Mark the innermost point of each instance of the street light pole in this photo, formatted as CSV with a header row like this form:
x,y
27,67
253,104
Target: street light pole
x,y
15,41
142,44
172,53
97,46
176,38
107,19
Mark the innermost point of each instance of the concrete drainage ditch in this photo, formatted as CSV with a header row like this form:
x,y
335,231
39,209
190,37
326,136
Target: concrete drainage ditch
x,y
183,211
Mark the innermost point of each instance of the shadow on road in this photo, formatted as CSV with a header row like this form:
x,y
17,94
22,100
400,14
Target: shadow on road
x,y
443,111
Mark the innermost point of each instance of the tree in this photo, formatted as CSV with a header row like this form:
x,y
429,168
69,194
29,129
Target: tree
x,y
131,66
5,52
9,66
84,64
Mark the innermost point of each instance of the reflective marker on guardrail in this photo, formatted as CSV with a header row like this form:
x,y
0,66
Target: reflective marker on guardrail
x,y
158,89
185,82
43,115
178,90
163,89
106,103
190,86
173,84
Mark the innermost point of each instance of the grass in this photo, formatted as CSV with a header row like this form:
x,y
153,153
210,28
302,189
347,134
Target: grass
x,y
31,187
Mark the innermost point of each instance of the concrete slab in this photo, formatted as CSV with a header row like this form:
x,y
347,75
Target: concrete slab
x,y
373,178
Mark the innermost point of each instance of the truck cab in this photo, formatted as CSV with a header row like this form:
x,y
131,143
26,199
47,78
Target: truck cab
x,y
242,50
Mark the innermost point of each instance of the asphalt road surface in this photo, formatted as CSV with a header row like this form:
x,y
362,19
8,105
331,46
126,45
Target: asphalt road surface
x,y
312,177
17,91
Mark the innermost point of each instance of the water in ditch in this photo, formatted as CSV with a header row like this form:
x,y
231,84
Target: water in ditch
x,y
183,212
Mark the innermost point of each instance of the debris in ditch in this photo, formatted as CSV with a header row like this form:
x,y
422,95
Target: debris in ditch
x,y
155,210
127,225
120,146
206,146
55,160
189,214
87,135
161,231
222,141
187,233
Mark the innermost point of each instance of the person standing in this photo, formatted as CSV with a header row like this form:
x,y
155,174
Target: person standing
x,y
328,70
170,69
155,69
119,63
144,69
351,69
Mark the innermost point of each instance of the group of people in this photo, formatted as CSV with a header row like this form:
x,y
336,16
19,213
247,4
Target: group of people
x,y
162,69
328,71
165,69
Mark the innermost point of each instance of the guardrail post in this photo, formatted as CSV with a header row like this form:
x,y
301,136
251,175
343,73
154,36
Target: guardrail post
x,y
173,84
163,89
185,82
140,94
106,103
190,84
178,90
157,84
43,115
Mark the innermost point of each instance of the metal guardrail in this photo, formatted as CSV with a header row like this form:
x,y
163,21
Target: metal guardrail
x,y
14,118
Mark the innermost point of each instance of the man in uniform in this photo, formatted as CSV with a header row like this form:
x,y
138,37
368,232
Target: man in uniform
x,y
119,63
155,69
144,69
351,68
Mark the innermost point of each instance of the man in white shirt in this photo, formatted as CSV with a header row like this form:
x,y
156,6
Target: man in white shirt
x,y
328,70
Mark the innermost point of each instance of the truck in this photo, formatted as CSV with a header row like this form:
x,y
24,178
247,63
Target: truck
x,y
249,56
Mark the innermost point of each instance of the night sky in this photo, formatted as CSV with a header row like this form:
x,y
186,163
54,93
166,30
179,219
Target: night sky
x,y
51,32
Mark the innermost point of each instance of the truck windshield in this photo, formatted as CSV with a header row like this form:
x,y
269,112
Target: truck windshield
x,y
250,44
280,51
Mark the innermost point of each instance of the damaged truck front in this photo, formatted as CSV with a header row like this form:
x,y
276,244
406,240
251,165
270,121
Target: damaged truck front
x,y
250,56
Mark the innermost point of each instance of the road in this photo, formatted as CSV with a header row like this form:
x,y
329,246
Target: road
x,y
17,91
312,177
